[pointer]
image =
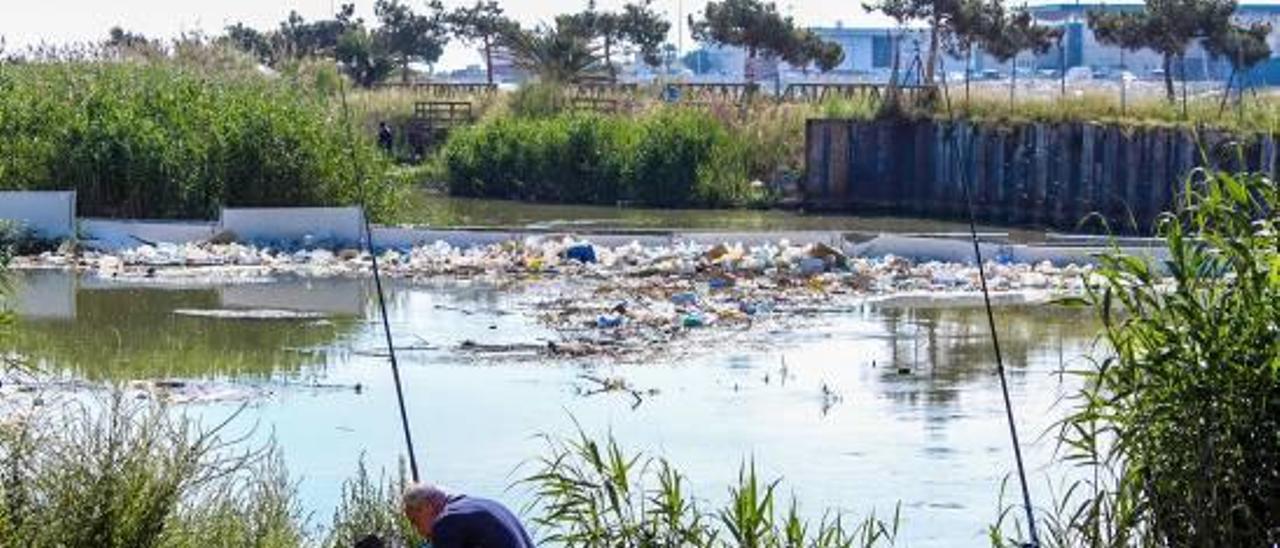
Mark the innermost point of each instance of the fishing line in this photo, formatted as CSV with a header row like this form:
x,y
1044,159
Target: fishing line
x,y
986,300
377,282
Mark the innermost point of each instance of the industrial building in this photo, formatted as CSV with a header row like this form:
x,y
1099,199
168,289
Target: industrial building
x,y
869,50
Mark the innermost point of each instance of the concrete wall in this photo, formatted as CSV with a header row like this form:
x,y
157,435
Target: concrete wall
x,y
325,226
1050,175
49,214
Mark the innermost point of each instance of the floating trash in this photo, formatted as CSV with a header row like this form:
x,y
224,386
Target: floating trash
x,y
248,314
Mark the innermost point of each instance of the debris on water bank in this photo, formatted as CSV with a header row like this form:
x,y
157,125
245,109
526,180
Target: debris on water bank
x,y
720,266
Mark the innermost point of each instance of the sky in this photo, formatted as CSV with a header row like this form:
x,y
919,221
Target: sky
x,y
31,22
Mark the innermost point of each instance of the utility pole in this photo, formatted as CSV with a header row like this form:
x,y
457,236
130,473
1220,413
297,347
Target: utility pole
x,y
679,27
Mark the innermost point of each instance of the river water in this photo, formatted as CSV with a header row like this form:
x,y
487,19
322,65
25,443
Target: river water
x,y
437,210
911,412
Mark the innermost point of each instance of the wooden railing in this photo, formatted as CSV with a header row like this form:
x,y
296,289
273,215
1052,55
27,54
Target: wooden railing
x,y
433,120
736,93
818,92
603,89
602,105
443,89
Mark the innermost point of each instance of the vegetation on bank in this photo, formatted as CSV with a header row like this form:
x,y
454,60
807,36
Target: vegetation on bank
x,y
164,140
592,493
669,158
124,474
1175,431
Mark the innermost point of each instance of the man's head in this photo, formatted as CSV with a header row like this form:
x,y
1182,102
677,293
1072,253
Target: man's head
x,y
423,503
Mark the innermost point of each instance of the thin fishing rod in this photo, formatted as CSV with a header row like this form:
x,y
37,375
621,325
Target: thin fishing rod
x,y
377,284
965,183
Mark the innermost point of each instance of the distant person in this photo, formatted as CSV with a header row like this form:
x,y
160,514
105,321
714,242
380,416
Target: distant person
x,y
460,521
386,139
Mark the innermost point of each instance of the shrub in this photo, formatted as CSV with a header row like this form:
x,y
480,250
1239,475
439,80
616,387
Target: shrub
x,y
572,157
672,158
371,507
160,140
1177,427
127,476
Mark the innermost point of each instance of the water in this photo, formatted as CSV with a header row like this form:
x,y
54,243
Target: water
x,y
932,437
441,210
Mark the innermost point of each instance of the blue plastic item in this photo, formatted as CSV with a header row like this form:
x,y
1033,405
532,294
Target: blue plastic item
x,y
686,298
583,253
608,321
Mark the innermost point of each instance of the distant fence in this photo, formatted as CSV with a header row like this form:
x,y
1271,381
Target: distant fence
x,y
443,89
1022,174
816,92
693,92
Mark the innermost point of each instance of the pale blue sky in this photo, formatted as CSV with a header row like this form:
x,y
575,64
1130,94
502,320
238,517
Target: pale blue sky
x,y
26,22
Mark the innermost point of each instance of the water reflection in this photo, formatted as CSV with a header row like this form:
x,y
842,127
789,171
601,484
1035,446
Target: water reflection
x,y
935,352
104,330
437,210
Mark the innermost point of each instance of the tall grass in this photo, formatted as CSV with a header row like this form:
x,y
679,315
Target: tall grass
x,y
669,157
590,493
1175,432
130,477
159,139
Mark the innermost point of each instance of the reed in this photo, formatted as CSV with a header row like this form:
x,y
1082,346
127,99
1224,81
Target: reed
x,y
591,493
158,139
1174,432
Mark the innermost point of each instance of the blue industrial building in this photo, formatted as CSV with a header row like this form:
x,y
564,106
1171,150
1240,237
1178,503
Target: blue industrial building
x,y
869,49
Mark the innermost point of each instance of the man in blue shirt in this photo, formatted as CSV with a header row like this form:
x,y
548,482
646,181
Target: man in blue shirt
x,y
459,521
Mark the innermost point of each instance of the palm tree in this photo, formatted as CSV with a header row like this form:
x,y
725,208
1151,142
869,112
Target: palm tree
x,y
555,53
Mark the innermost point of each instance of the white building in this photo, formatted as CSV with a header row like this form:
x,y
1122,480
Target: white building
x,y
869,49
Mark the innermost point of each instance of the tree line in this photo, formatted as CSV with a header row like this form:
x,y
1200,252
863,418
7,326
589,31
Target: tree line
x,y
572,47
1168,27
585,44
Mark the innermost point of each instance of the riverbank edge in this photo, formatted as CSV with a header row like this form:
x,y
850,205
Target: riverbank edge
x,y
110,235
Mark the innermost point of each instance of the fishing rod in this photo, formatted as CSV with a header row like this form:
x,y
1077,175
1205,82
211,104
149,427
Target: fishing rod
x,y
966,184
377,283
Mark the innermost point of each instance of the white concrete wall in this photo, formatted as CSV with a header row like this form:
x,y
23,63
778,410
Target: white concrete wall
x,y
49,214
114,234
328,226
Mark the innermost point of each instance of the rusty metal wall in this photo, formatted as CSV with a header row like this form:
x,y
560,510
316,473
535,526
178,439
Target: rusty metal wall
x,y
1023,174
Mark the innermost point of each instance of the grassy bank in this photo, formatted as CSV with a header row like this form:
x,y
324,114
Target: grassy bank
x,y
123,474
166,140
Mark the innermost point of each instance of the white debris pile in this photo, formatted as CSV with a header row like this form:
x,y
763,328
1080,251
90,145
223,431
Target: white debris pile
x,y
726,264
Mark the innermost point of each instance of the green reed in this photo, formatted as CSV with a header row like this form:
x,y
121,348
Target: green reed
x,y
162,139
591,493
1174,435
